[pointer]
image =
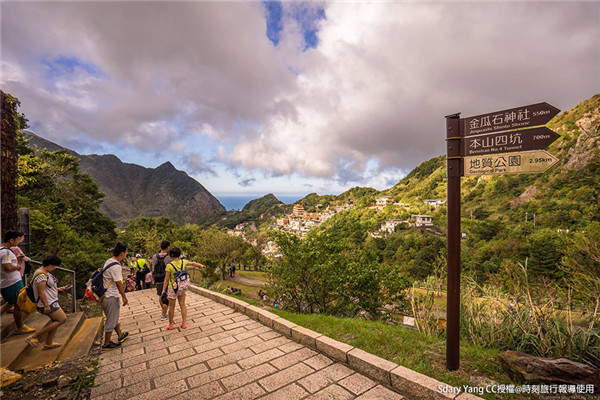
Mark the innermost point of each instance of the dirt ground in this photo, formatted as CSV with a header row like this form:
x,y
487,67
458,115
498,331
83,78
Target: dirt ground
x,y
70,380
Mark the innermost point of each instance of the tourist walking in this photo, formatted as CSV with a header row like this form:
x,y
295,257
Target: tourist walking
x,y
113,282
22,259
11,281
159,265
173,285
140,266
45,289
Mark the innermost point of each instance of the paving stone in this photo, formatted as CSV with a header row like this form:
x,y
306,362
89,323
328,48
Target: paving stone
x,y
284,377
140,387
170,391
374,367
289,392
199,358
148,374
357,383
213,375
290,346
417,386
157,362
260,358
380,392
250,391
230,358
318,362
283,326
293,358
269,335
123,372
166,379
207,391
320,379
270,344
225,334
241,344
247,376
305,336
107,387
333,348
267,317
333,392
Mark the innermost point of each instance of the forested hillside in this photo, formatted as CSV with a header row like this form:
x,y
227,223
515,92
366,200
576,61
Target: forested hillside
x,y
506,218
132,191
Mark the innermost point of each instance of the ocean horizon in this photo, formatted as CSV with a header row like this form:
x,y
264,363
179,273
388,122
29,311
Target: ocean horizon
x,y
237,202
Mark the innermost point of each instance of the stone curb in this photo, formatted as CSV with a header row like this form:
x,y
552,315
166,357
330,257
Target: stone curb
x,y
407,382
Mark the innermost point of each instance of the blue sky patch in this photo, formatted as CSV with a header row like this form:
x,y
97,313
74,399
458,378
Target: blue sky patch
x,y
64,65
305,14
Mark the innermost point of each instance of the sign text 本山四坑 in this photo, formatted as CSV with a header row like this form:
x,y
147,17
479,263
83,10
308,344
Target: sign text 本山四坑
x,y
507,142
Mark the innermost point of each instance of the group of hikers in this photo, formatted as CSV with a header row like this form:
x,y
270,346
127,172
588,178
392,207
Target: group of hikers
x,y
167,272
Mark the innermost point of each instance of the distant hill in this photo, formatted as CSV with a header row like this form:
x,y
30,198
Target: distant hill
x,y
133,191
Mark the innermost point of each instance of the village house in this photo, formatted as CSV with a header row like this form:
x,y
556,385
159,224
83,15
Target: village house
x,y
390,225
422,220
384,201
434,202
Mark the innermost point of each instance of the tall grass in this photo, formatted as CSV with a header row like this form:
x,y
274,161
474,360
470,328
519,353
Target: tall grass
x,y
516,323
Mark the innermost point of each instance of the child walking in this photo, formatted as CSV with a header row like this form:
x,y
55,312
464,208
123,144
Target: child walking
x,y
170,286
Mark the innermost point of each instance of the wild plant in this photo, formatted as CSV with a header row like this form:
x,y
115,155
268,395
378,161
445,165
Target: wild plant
x,y
513,321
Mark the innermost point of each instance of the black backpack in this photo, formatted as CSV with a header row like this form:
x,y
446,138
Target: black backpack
x,y
159,269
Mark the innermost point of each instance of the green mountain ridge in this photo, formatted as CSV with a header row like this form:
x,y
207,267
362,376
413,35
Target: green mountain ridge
x,y
132,191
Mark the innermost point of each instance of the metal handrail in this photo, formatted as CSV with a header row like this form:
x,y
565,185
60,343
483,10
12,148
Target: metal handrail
x,y
73,283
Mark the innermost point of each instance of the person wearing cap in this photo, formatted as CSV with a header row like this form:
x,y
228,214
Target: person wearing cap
x,y
140,267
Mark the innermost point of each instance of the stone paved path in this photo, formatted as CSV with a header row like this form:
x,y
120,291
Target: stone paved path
x,y
223,354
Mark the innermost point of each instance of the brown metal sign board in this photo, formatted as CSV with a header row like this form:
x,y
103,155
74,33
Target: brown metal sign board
x,y
514,118
507,142
526,162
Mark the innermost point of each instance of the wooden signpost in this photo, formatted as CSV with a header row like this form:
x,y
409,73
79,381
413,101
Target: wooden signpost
x,y
501,142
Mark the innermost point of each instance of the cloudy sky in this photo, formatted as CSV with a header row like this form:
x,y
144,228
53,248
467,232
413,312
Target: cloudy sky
x,y
288,98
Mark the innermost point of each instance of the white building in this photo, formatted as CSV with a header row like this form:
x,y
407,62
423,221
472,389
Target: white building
x,y
384,201
423,220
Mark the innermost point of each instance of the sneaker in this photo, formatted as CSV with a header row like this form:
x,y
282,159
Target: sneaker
x,y
170,327
164,317
123,337
24,329
111,346
183,326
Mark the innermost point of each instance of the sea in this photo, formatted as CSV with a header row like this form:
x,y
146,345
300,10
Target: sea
x,y
237,202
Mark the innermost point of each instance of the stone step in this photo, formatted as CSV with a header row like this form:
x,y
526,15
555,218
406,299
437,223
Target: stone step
x,y
82,341
14,347
7,324
37,358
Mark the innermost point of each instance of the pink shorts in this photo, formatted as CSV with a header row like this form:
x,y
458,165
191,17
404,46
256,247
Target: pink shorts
x,y
172,295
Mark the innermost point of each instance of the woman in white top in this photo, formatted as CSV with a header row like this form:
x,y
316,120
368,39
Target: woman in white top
x,y
45,289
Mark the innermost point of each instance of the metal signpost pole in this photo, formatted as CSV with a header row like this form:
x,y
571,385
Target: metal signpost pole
x,y
454,165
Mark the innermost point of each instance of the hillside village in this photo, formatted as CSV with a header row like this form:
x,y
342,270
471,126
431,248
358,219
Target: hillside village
x,y
299,222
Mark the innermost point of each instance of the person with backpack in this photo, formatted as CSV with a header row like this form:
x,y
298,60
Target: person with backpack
x,y
10,279
159,265
140,267
176,283
45,289
112,277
